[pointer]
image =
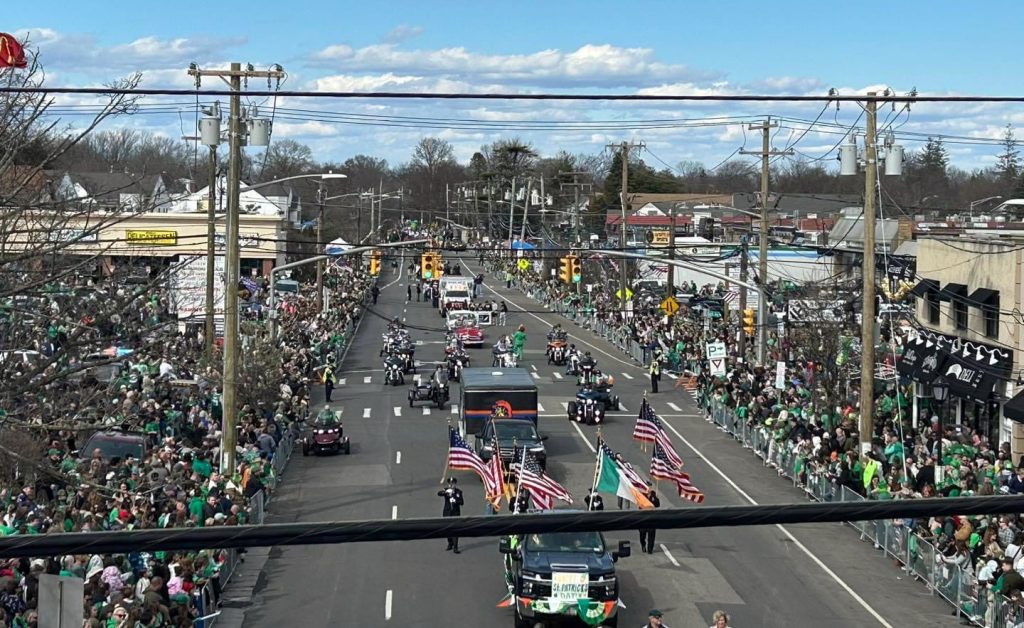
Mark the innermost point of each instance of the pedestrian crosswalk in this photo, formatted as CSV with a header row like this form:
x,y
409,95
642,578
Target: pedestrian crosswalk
x,y
542,378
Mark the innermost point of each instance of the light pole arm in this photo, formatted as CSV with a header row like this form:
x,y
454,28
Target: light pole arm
x,y
314,260
322,177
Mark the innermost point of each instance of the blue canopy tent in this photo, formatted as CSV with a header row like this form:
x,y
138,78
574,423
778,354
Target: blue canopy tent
x,y
337,246
519,245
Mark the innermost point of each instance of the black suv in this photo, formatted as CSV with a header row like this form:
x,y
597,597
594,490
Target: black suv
x,y
512,433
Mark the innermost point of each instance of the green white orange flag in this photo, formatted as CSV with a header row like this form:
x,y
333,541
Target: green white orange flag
x,y
617,477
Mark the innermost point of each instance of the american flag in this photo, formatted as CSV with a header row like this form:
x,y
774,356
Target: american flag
x,y
647,424
635,479
543,489
663,469
462,458
494,481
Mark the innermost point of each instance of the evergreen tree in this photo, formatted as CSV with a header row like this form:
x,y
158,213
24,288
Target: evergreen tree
x,y
1008,162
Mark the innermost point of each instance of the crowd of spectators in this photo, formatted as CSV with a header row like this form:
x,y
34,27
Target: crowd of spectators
x,y
803,432
103,356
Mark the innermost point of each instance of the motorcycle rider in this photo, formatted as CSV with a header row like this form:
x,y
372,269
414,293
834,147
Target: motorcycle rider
x,y
587,365
572,358
393,360
327,416
556,332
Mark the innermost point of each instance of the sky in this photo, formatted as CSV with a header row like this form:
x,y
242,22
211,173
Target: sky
x,y
599,47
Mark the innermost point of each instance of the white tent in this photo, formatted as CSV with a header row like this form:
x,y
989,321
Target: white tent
x,y
337,246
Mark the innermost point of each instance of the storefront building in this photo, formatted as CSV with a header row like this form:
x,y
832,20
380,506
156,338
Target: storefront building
x,y
963,357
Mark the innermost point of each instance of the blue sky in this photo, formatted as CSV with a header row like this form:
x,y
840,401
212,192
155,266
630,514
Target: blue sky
x,y
596,46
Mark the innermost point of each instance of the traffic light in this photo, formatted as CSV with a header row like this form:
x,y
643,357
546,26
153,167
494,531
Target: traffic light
x,y
375,263
749,322
428,266
575,269
565,269
438,266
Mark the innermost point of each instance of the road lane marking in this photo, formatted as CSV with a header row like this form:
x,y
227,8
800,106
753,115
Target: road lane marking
x,y
398,410
565,405
534,375
455,409
586,440
396,280
578,338
669,554
387,605
540,407
627,376
623,407
394,515
367,379
426,411
674,407
533,366
803,548
366,413
557,375
341,382
398,457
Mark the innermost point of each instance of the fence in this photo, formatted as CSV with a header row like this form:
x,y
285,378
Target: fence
x,y
916,554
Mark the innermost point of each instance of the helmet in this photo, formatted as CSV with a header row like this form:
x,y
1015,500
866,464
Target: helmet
x,y
572,346
587,354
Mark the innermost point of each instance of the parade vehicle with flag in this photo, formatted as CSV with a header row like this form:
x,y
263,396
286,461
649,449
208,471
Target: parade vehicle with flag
x,y
326,434
508,435
483,388
560,575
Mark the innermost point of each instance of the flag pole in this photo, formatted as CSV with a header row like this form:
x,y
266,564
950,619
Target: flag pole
x,y
519,479
643,406
444,472
597,469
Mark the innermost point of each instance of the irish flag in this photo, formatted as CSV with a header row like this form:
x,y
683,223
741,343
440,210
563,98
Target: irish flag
x,y
619,479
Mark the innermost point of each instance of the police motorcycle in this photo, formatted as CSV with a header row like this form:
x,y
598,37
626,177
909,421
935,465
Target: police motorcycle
x,y
586,409
395,336
456,360
436,390
587,370
557,347
504,356
394,371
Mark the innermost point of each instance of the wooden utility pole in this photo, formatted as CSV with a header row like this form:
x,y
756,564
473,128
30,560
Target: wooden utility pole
x,y
211,258
766,153
233,77
574,217
320,247
624,200
743,299
867,354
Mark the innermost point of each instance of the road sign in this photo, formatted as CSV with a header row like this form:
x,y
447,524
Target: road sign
x,y
523,264
780,375
716,350
670,305
717,367
629,294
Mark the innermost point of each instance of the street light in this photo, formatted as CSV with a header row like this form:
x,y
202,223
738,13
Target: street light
x,y
979,202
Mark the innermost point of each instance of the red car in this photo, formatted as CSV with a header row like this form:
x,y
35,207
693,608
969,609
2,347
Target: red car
x,y
470,335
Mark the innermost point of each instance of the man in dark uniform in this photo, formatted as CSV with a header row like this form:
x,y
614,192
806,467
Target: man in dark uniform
x,y
452,508
419,291
408,292
654,619
647,534
375,292
593,501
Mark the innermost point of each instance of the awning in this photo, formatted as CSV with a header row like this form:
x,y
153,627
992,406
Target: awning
x,y
925,286
982,297
953,292
1014,408
969,380
911,359
931,364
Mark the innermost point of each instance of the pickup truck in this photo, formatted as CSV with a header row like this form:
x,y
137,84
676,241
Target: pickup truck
x,y
561,575
512,434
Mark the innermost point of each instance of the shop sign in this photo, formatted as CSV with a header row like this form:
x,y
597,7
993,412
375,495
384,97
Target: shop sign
x,y
75,236
152,238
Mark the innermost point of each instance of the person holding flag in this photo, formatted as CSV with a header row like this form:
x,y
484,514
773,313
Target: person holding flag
x,y
616,476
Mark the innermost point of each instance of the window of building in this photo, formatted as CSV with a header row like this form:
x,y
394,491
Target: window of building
x,y
987,302
959,314
990,315
931,308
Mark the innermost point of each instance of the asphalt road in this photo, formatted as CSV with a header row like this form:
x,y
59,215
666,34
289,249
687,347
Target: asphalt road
x,y
807,575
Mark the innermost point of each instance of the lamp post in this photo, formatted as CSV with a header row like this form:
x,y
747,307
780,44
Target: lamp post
x,y
979,202
940,391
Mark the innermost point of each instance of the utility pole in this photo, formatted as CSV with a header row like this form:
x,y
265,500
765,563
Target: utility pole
x,y
743,299
867,354
320,248
526,211
511,212
766,153
670,289
233,77
574,218
624,200
211,258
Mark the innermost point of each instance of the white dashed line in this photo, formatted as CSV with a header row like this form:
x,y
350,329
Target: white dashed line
x,y
623,407
455,409
426,411
398,457
394,515
534,375
367,379
627,376
398,410
557,375
341,382
669,555
366,413
387,605
540,407
674,407
803,548
586,440
565,406
533,367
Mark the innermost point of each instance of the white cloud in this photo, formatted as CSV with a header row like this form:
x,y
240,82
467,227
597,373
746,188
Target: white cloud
x,y
403,32
589,65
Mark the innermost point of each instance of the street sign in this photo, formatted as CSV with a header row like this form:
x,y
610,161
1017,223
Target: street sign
x,y
670,305
659,238
523,264
629,294
780,375
716,350
717,367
